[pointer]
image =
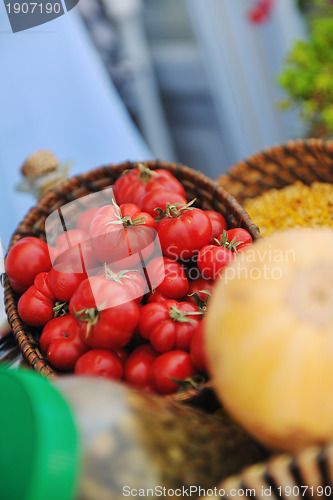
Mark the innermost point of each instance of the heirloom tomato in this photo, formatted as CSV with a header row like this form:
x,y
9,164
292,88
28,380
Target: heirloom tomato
x,y
64,281
43,285
34,308
200,286
99,363
155,296
133,282
74,249
170,277
108,316
239,237
60,339
85,218
155,201
28,257
70,238
169,325
198,349
120,234
137,369
212,259
170,368
218,224
133,185
183,231
96,293
110,328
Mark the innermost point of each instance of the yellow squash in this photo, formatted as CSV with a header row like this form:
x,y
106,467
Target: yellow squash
x,y
269,338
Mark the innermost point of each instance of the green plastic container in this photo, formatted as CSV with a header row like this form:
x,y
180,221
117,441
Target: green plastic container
x,y
39,453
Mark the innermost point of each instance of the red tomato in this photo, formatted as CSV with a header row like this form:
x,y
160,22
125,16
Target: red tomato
x,y
99,363
218,224
133,282
120,234
136,183
212,259
138,366
61,341
85,218
107,316
111,328
122,354
158,198
170,275
240,236
184,232
96,293
197,349
80,257
70,238
34,308
155,296
197,286
244,247
74,248
64,281
67,241
43,285
170,366
28,257
169,325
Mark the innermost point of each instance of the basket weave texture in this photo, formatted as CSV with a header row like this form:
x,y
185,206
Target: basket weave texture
x,y
306,474
307,160
209,195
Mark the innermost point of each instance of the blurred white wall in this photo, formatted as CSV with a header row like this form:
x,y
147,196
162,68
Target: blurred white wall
x,y
217,77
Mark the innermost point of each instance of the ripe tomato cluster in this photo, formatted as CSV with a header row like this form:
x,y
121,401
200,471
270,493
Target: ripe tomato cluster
x,y
123,294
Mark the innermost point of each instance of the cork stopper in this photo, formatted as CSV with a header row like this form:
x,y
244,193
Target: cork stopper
x,y
40,162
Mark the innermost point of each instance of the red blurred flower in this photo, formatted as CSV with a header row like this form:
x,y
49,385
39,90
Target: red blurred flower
x,y
261,11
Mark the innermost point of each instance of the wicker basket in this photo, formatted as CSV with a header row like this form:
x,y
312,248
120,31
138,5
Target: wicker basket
x,y
208,193
306,160
305,475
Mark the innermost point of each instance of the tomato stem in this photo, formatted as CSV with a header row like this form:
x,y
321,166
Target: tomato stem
x,y
182,316
60,309
112,276
188,383
90,315
175,209
202,304
125,221
145,173
224,242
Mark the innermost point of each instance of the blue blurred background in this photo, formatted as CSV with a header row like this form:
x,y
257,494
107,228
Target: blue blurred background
x,y
181,80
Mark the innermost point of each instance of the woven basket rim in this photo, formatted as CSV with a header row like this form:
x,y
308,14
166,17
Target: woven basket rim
x,y
304,160
306,468
291,146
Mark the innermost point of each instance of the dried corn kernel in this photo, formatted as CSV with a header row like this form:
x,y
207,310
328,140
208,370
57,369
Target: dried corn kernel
x,y
296,205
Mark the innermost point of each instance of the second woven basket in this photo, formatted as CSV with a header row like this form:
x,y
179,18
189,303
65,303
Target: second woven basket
x,y
307,160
